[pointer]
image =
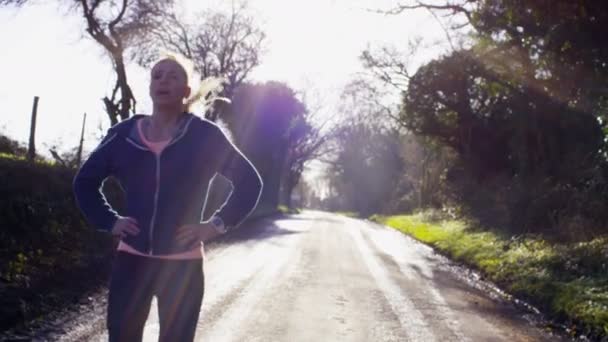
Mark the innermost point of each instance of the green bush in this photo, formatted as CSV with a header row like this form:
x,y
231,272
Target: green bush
x,y
44,240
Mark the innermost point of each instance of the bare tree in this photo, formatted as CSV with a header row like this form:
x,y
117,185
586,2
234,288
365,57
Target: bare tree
x,y
308,140
13,2
220,43
390,65
114,25
394,66
461,8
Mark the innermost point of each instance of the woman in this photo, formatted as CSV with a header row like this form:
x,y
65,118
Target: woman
x,y
164,162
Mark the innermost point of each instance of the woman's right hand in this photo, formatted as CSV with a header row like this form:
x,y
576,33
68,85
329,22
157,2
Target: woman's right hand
x,y
124,226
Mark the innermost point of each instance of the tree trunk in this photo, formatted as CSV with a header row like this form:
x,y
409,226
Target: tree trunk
x,y
275,178
127,101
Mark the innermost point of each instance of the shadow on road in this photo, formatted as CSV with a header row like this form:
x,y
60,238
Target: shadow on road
x,y
324,217
258,229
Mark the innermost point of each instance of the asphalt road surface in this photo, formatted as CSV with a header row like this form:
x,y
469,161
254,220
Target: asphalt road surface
x,y
323,277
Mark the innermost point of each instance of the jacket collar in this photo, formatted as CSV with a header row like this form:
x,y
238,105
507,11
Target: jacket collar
x,y
127,129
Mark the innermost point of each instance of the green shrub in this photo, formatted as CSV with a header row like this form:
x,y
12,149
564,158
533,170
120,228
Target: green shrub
x,y
43,237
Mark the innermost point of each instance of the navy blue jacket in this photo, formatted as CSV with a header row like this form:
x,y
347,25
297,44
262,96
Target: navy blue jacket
x,y
169,190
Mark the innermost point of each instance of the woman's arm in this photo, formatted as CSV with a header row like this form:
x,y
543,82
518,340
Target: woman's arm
x,y
246,182
88,183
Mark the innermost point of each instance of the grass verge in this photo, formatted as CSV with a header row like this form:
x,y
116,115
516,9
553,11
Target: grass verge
x,y
569,282
283,209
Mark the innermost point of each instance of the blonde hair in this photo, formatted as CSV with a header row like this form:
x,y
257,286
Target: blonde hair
x,y
208,89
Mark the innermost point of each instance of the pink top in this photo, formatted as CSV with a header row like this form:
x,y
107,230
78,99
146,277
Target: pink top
x,y
195,253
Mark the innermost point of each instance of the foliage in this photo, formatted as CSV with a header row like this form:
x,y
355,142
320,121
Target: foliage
x,y
367,168
514,144
371,168
44,240
283,209
11,147
560,43
521,110
568,281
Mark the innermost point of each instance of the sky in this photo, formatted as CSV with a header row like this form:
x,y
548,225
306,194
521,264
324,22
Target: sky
x,y
310,44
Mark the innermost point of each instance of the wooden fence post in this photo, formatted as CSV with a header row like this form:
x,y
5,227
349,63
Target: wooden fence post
x,y
79,156
31,151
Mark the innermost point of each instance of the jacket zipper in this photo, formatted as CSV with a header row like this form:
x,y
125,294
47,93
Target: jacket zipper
x,y
153,220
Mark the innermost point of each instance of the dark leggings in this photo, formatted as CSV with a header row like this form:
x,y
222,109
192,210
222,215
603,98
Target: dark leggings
x,y
177,284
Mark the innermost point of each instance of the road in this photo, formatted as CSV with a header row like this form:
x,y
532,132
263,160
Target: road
x,y
323,277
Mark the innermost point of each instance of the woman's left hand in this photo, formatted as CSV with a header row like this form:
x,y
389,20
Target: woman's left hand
x,y
190,235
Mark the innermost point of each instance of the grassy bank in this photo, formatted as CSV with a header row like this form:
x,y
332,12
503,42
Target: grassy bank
x,y
48,255
567,281
283,209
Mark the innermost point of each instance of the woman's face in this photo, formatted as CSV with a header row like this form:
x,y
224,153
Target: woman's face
x,y
168,83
